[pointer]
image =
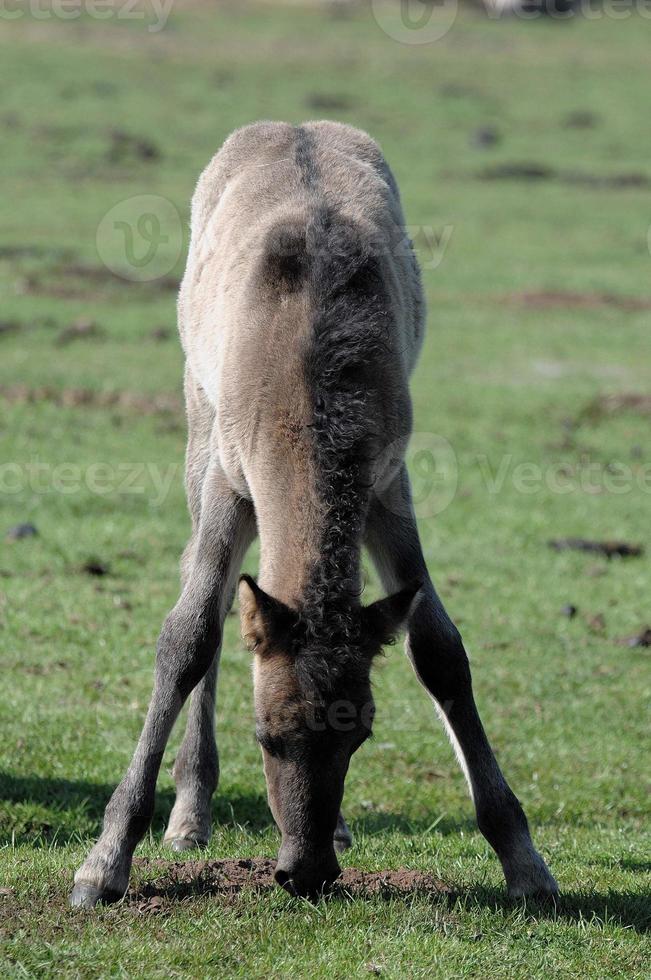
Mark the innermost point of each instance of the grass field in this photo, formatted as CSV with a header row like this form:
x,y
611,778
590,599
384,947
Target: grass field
x,y
539,321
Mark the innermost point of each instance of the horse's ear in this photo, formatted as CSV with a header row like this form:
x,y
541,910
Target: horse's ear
x,y
387,617
263,619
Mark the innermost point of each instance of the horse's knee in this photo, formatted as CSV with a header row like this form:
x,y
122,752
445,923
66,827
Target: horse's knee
x,y
185,650
131,807
439,657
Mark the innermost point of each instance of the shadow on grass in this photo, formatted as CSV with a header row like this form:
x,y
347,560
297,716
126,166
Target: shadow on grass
x,y
226,880
75,808
629,910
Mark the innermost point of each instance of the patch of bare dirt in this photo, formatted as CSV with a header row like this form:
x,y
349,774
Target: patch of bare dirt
x,y
641,639
125,146
82,329
605,405
20,531
95,567
180,879
517,171
535,171
19,394
609,549
549,299
328,102
36,252
581,119
77,280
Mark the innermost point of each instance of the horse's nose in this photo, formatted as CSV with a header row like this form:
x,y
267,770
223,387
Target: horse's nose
x,y
307,878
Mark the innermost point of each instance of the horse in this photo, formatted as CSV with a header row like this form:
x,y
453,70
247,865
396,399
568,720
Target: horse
x,y
301,316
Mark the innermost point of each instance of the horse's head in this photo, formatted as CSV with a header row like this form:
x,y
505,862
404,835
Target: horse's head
x,y
314,708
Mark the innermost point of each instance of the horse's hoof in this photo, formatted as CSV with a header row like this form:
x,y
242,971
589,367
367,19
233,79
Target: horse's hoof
x,y
540,887
185,844
85,896
545,892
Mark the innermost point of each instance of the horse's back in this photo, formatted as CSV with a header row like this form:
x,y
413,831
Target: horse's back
x,y
274,200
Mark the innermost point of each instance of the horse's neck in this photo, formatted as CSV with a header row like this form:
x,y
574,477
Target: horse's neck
x,y
300,562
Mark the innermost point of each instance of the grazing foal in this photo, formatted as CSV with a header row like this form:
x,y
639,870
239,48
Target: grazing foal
x,y
301,316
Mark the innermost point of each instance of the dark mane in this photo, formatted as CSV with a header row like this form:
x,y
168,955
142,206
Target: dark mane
x,y
339,267
349,334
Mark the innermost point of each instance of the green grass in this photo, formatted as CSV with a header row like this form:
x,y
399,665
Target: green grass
x,y
565,703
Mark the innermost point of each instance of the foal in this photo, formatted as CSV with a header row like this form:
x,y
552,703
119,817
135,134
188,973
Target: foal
x,y
301,317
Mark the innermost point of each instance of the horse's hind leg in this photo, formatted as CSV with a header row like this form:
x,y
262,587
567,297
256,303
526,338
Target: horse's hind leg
x,y
196,768
439,659
186,651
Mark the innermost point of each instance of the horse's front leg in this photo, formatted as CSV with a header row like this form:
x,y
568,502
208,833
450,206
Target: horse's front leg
x,y
441,664
185,652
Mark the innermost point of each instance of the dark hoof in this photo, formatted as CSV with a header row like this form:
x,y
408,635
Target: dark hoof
x,y
85,896
185,844
546,898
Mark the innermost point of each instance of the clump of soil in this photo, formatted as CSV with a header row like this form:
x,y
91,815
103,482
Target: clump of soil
x,y
77,280
180,879
484,137
605,405
20,531
609,549
127,146
328,102
581,119
20,394
518,171
81,329
533,170
641,639
548,299
95,567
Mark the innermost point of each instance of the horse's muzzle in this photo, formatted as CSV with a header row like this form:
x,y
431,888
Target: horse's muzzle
x,y
307,875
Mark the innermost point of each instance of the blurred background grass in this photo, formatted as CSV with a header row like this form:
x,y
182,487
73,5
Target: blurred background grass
x,y
522,152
